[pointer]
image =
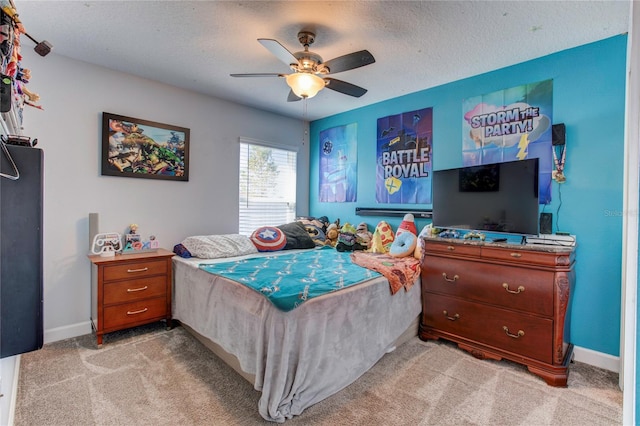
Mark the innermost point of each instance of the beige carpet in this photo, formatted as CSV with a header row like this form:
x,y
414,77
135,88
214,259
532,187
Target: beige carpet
x,y
150,376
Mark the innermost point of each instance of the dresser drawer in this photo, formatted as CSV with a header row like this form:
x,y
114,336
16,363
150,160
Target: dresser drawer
x,y
116,316
443,247
510,331
527,257
130,290
505,286
139,269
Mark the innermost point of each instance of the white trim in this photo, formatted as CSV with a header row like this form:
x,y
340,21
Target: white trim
x,y
596,359
67,332
628,320
14,391
251,141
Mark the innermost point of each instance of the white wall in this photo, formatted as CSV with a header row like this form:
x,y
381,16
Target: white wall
x,y
74,95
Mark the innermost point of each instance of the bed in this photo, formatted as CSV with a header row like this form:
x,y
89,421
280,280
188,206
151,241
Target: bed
x,y
300,357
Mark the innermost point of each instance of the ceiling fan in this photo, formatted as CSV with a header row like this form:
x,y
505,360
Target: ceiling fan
x,y
309,73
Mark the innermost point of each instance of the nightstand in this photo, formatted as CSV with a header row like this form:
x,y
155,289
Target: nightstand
x,y
128,290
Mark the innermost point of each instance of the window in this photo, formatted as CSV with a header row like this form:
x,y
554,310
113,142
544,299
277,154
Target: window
x,y
267,185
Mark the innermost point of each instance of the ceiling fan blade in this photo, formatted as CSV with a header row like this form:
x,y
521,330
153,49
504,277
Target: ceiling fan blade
x,y
344,87
350,61
258,75
292,97
278,50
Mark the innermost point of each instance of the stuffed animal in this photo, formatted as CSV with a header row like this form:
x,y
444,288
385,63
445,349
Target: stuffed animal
x,y
408,224
347,239
332,235
363,236
382,238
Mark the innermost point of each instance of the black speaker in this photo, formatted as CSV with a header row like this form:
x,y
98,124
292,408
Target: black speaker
x,y
558,134
545,223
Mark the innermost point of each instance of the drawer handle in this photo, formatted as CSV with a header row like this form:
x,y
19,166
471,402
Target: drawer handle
x,y
451,248
137,270
506,331
516,255
519,290
455,277
137,312
453,318
131,290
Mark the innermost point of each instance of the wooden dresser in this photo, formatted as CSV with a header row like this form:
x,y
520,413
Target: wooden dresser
x,y
129,290
501,301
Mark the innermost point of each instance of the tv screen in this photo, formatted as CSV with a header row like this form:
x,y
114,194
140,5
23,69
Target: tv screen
x,y
499,197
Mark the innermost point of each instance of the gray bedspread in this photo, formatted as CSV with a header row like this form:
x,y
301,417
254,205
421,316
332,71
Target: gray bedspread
x,y
298,357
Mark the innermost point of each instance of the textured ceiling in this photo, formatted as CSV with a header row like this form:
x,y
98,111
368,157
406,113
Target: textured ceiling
x,y
417,45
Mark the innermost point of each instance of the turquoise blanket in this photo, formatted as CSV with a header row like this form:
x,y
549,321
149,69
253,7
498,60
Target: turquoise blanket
x,y
288,280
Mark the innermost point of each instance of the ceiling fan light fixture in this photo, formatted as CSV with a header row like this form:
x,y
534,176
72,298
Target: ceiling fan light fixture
x,y
305,85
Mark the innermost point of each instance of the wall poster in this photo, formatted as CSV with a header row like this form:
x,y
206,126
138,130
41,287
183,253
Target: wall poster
x,y
511,124
338,164
404,158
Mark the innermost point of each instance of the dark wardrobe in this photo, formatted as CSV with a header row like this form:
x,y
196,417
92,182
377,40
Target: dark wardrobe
x,y
21,322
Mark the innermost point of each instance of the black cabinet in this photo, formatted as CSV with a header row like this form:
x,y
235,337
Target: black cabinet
x,y
21,322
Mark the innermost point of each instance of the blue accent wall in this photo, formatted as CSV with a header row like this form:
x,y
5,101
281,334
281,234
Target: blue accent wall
x,y
589,98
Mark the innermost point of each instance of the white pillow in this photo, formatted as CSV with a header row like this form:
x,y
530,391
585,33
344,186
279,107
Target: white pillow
x,y
217,246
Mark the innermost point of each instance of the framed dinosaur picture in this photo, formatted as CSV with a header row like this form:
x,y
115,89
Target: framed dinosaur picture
x,y
132,147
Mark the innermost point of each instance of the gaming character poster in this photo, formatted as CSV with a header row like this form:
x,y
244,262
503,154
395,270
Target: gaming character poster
x,y
339,164
511,124
404,158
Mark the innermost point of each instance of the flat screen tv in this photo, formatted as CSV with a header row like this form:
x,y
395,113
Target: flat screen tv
x,y
498,197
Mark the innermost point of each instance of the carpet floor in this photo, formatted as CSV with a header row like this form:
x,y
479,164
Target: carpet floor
x,y
152,376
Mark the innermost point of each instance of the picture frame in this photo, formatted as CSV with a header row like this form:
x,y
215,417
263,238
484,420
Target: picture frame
x,y
137,148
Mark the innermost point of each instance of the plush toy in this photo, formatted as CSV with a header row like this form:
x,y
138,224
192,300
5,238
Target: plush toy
x,y
347,239
382,238
363,236
408,224
332,235
426,232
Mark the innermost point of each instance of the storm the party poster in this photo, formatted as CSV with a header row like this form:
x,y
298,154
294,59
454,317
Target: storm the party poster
x,y
404,158
338,164
510,125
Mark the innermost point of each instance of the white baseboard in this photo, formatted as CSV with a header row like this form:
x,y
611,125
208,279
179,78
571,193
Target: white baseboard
x,y
67,332
597,359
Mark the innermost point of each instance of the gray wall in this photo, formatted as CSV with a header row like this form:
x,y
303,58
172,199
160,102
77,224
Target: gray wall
x,y
74,95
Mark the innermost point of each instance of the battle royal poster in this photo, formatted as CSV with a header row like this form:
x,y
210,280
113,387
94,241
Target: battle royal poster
x,y
511,124
339,164
404,158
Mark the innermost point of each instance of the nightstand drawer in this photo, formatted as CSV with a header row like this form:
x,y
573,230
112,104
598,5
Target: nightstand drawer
x,y
139,269
513,332
130,290
130,313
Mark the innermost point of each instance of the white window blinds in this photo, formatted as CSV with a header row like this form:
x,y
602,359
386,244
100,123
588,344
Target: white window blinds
x,y
267,186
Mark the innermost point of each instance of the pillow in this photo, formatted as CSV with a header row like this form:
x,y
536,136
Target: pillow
x,y
382,238
403,245
217,246
268,238
297,236
315,229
